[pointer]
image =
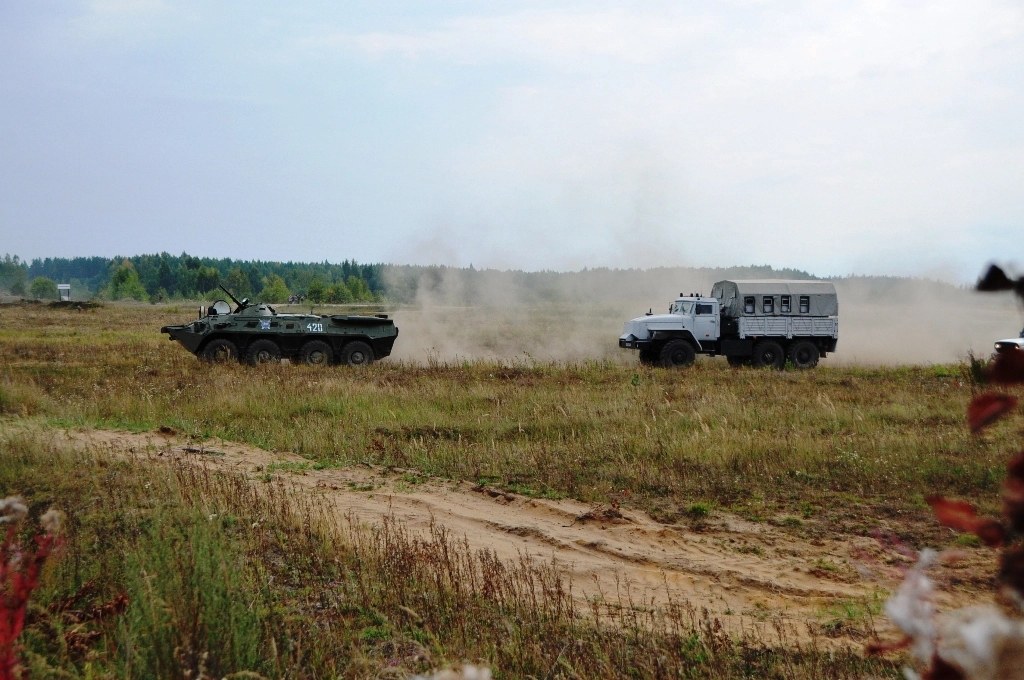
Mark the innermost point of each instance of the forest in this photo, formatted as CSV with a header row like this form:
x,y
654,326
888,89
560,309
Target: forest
x,y
156,278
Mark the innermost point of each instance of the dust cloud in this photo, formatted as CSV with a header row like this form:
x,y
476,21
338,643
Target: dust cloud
x,y
463,314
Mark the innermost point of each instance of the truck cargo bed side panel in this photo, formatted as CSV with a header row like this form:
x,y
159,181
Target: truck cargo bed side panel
x,y
789,327
824,327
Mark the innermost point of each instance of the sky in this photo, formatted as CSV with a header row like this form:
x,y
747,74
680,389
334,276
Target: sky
x,y
867,137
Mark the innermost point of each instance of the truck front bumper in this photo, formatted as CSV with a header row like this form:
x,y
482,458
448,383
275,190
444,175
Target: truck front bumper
x,y
630,341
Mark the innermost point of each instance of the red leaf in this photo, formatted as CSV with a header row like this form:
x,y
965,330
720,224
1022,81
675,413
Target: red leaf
x,y
1008,368
963,516
990,532
1013,504
987,408
876,648
942,670
1011,568
1013,493
1015,468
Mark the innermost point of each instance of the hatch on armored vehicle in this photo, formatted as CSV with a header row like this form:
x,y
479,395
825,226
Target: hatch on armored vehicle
x,y
256,333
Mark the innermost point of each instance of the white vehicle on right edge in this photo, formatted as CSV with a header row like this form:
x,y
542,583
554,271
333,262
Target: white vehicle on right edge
x,y
763,322
1011,344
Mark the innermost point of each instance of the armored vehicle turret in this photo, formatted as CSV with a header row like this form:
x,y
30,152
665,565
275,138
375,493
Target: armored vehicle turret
x,y
256,333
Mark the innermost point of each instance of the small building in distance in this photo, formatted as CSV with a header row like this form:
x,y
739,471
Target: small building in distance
x,y
64,292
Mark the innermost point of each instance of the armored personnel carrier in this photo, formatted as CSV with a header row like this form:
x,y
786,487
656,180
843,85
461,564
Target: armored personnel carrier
x,y
256,333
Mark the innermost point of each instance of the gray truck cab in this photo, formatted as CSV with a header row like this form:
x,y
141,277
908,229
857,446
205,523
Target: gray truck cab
x,y
699,315
693,319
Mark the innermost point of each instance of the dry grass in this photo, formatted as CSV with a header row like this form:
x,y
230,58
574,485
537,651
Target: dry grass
x,y
225,577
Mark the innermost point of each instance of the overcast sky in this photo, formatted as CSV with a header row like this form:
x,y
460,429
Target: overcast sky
x,y
836,137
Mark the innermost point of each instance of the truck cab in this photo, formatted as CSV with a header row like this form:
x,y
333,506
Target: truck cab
x,y
691,319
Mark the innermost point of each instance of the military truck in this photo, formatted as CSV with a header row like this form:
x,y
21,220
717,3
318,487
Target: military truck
x,y
257,334
758,322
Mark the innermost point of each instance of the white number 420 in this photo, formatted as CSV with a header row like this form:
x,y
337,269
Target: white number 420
x,y
315,327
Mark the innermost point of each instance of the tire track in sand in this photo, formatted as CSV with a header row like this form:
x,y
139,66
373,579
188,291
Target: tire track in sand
x,y
737,569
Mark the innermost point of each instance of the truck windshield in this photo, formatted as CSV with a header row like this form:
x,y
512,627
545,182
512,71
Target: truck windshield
x,y
682,307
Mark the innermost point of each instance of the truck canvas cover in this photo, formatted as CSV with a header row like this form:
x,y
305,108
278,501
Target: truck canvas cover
x,y
822,296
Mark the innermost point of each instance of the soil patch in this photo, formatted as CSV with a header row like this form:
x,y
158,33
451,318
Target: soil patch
x,y
737,569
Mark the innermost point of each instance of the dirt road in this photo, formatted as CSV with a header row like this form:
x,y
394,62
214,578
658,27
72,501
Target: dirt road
x,y
739,570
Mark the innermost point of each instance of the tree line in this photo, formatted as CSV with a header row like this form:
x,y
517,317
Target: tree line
x,y
161,277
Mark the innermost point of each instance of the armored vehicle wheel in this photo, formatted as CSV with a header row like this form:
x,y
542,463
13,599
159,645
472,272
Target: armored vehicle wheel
x,y
677,354
316,353
768,353
356,354
648,358
220,352
738,361
804,354
263,352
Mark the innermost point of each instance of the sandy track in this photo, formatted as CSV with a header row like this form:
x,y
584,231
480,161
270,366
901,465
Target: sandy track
x,y
737,569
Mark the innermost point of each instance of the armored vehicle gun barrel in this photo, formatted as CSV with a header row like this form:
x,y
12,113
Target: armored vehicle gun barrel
x,y
238,305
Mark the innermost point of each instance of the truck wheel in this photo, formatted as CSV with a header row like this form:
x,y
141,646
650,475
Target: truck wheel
x,y
768,353
316,353
263,352
648,358
736,362
677,354
356,354
804,354
220,352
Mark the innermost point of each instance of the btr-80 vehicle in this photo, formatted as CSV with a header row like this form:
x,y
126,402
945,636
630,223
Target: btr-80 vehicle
x,y
258,334
749,322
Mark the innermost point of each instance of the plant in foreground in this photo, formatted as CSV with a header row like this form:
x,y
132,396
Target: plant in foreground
x,y
19,575
982,642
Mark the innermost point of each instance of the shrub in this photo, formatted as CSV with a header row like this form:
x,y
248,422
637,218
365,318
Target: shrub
x,y
317,291
43,288
339,293
360,291
125,284
274,290
699,510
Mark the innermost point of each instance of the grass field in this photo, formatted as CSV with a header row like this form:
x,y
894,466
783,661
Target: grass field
x,y
225,581
753,441
842,449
